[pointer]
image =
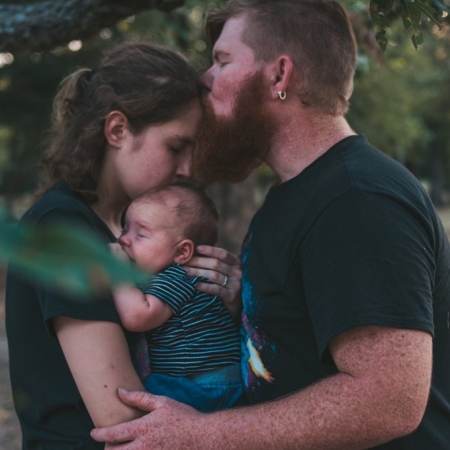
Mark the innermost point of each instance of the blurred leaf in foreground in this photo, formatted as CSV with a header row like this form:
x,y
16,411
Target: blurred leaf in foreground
x,y
68,258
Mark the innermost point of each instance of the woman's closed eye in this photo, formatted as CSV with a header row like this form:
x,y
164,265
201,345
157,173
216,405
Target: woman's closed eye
x,y
176,150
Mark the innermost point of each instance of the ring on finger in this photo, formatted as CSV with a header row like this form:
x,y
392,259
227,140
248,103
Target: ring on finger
x,y
225,281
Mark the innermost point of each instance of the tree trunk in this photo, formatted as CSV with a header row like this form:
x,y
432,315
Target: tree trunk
x,y
44,25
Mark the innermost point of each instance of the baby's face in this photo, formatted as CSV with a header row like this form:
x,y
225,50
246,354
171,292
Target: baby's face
x,y
150,236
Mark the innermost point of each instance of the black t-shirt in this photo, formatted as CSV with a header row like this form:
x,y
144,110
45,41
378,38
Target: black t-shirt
x,y
353,240
50,409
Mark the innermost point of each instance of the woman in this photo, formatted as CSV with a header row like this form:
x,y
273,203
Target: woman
x,y
119,131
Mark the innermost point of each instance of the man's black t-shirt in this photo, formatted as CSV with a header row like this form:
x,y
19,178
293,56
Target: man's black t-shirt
x,y
353,240
51,412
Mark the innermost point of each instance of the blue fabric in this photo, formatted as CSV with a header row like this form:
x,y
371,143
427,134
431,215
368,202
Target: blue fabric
x,y
207,392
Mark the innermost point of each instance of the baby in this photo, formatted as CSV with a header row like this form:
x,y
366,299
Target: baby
x,y
193,343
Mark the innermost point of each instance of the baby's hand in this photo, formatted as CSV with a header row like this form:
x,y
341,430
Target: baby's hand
x,y
117,251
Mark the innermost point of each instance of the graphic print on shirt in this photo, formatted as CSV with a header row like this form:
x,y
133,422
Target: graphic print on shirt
x,y
257,350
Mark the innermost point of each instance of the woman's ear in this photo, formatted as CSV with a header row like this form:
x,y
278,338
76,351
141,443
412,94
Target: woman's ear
x,y
280,75
116,128
184,251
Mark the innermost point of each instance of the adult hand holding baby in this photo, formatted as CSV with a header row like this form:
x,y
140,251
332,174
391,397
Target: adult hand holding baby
x,y
224,270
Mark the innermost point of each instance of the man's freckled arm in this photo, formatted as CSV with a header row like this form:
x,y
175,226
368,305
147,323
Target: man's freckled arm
x,y
380,394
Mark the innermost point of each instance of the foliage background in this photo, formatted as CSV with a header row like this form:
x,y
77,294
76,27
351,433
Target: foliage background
x,y
400,102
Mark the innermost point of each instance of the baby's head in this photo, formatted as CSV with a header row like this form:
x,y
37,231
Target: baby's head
x,y
165,224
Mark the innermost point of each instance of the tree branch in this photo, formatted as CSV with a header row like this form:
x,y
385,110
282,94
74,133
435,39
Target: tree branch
x,y
43,25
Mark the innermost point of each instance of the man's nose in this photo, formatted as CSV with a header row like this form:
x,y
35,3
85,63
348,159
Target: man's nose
x,y
207,79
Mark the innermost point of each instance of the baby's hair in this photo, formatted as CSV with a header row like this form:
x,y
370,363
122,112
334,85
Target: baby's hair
x,y
147,83
195,211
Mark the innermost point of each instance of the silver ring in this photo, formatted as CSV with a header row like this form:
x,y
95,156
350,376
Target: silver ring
x,y
225,281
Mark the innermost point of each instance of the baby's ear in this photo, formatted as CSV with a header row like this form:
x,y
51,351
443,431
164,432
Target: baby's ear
x,y
184,251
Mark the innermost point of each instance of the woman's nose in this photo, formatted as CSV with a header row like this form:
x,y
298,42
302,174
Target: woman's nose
x,y
184,169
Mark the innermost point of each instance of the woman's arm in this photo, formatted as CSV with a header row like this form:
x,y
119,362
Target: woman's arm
x,y
98,357
138,311
224,270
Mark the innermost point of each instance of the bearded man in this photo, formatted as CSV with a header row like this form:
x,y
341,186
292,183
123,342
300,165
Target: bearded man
x,y
346,287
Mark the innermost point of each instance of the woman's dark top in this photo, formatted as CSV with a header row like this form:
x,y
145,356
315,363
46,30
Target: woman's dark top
x,y
50,409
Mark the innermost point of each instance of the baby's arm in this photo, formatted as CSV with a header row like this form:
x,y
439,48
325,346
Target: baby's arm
x,y
138,311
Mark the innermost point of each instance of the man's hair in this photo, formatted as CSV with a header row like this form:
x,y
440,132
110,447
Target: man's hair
x,y
315,34
195,212
147,83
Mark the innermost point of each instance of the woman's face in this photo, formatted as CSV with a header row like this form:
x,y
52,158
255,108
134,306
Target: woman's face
x,y
160,154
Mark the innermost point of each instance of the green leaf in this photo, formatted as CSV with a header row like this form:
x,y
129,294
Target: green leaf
x,y
417,40
413,13
381,39
429,11
69,258
406,22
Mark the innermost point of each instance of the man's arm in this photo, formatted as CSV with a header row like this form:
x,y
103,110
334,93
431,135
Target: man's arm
x,y
140,312
379,394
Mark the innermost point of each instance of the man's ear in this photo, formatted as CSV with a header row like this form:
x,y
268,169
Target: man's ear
x,y
184,251
116,128
281,74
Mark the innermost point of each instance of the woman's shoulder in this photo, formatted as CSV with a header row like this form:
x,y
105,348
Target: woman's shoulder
x,y
57,203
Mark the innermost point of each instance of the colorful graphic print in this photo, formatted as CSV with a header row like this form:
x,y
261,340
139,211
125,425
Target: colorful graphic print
x,y
257,351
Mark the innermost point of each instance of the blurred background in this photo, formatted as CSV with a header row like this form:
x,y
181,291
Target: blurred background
x,y
400,103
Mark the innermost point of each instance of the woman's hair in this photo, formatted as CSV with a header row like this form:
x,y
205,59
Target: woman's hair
x,y
147,83
316,34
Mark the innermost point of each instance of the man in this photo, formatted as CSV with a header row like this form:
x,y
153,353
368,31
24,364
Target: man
x,y
346,290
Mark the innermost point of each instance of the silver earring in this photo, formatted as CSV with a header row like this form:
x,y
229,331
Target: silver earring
x,y
282,95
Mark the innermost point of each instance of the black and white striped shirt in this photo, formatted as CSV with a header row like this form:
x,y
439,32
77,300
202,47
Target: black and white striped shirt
x,y
200,336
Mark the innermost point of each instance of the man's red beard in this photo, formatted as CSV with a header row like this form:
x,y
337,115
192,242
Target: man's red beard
x,y
229,149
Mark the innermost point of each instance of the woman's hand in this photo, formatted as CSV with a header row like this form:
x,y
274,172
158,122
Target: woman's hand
x,y
224,270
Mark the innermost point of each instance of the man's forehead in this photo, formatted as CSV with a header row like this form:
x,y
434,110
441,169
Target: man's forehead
x,y
231,34
230,40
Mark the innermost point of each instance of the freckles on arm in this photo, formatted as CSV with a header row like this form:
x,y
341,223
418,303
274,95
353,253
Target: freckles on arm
x,y
391,369
379,395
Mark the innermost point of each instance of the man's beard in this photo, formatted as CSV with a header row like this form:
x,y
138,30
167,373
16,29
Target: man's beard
x,y
229,149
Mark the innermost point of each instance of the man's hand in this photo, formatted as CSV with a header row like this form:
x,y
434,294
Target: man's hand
x,y
223,269
170,425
